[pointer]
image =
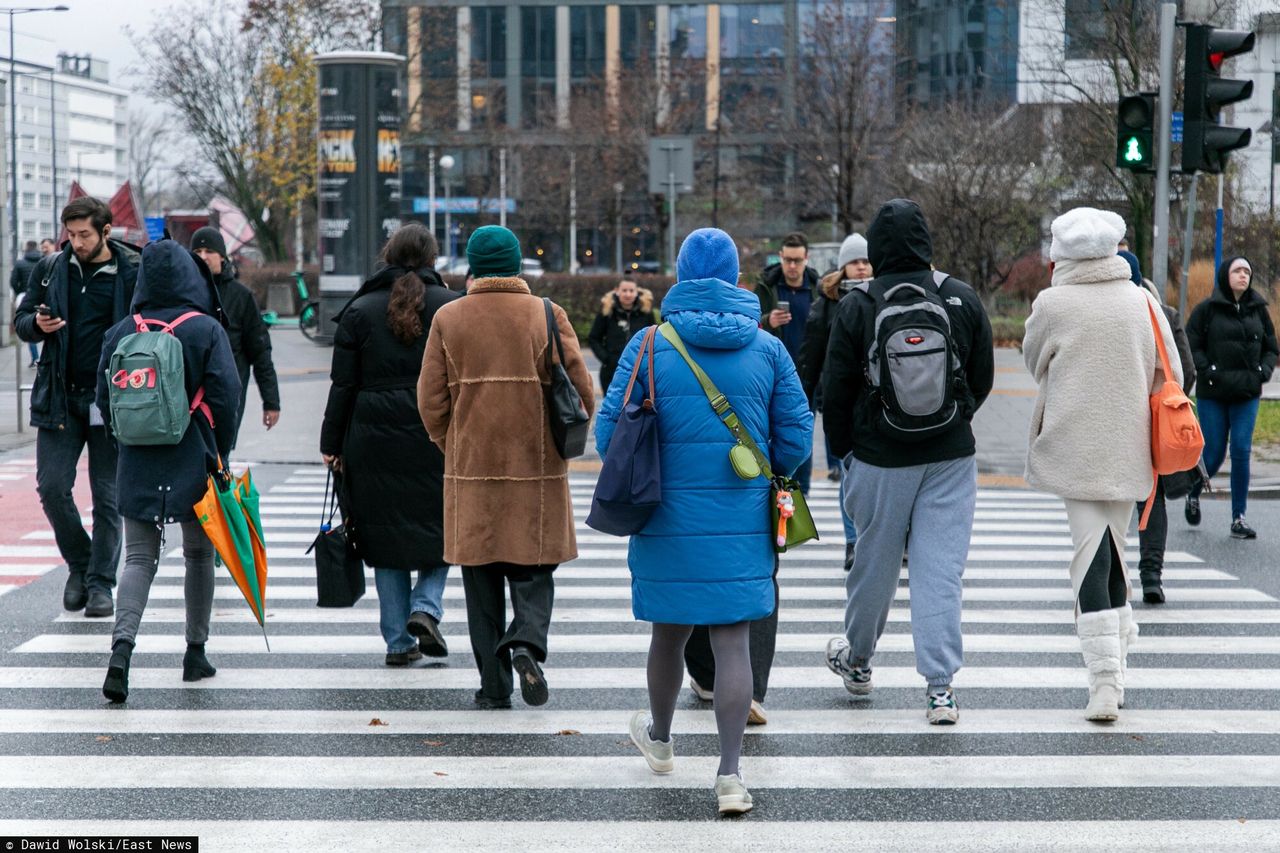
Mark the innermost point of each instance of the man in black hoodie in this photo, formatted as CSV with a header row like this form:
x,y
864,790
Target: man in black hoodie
x,y
18,282
250,338
917,493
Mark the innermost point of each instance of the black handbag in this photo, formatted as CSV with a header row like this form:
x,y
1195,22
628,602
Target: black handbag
x,y
339,569
569,418
1182,483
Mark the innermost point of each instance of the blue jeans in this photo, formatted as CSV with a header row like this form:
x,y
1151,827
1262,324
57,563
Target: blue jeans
x,y
1223,424
398,598
34,349
846,483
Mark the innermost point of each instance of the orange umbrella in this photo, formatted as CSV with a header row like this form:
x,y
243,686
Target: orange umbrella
x,y
229,515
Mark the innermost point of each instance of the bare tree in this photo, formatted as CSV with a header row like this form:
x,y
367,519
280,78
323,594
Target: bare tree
x,y
149,137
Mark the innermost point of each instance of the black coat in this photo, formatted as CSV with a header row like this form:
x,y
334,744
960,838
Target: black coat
x,y
250,340
813,350
901,250
394,475
165,481
1233,343
614,326
48,285
21,275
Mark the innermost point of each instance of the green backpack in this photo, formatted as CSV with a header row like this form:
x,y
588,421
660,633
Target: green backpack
x,y
148,389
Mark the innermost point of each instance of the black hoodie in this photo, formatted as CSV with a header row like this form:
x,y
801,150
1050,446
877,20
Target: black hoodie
x,y
1233,342
900,250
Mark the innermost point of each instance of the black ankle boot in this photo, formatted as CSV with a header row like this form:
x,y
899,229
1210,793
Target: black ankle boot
x,y
116,685
195,665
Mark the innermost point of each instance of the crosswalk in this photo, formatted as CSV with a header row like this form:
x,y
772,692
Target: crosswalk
x,y
317,745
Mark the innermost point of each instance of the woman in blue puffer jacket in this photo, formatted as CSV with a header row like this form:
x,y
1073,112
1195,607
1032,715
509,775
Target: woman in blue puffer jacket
x,y
706,556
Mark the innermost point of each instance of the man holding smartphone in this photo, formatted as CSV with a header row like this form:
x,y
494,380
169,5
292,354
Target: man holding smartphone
x,y
74,297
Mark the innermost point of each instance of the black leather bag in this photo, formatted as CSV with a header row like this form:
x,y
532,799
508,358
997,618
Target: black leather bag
x,y
339,569
569,418
1181,484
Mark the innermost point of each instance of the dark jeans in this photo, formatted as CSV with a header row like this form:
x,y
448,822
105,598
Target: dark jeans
x,y
606,376
701,663
1152,540
1231,424
532,596
57,454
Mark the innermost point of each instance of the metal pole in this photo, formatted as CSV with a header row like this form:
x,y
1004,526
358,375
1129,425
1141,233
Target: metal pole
x,y
1160,248
431,190
573,212
53,133
1217,231
13,150
617,228
1186,247
502,187
671,206
448,221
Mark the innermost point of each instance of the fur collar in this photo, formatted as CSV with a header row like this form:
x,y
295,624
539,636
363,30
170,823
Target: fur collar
x,y
1092,271
643,303
499,284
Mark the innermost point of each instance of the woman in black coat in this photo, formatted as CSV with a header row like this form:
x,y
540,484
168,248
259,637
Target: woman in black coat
x,y
393,476
1234,345
623,312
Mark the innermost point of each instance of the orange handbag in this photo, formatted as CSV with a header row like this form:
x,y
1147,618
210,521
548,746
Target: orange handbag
x,y
1176,440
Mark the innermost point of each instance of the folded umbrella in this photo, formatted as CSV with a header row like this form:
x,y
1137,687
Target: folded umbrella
x,y
225,518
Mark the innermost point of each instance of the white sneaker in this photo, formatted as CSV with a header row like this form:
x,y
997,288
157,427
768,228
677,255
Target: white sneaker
x,y
659,755
756,716
942,709
732,795
703,694
857,679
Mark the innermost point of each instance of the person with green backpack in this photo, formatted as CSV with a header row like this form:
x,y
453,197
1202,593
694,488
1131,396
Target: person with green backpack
x,y
169,392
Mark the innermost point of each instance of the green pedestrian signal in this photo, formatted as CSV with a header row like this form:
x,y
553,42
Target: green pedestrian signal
x,y
1135,132
1133,152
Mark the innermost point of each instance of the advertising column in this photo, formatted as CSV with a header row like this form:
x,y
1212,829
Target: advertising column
x,y
359,162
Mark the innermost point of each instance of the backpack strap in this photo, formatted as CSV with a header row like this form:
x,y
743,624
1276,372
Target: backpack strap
x,y
198,403
143,324
1168,377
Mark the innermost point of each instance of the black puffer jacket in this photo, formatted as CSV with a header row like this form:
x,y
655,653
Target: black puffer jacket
x,y
901,251
614,325
1233,343
21,275
813,351
165,481
250,340
394,474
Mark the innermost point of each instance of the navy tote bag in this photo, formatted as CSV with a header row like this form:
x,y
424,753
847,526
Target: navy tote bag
x,y
630,484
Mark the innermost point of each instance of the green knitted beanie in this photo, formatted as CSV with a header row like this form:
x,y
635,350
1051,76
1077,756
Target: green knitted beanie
x,y
493,251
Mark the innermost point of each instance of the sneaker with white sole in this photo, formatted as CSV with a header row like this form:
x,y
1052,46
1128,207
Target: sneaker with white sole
x,y
857,679
659,755
703,694
732,795
943,710
756,715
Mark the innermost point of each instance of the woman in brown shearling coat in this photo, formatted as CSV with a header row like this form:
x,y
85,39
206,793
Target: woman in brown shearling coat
x,y
508,515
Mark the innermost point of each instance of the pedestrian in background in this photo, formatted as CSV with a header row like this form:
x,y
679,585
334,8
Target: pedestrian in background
x,y
18,280
910,486
853,268
508,512
73,297
1091,346
1151,541
1234,344
393,475
160,484
706,555
249,335
623,312
786,292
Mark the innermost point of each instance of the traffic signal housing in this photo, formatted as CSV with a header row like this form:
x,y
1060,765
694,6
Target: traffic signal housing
x,y
1205,143
1135,132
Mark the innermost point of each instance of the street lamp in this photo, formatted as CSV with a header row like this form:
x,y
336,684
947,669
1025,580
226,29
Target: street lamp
x,y
446,166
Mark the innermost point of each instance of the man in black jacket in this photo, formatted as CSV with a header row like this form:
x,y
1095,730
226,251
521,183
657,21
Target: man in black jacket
x,y
250,338
18,280
73,297
921,491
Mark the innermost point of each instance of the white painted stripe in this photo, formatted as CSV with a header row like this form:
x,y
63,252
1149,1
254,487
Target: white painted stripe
x,y
979,541
297,490
312,644
531,721
364,614
978,555
7,568
589,678
466,772
11,477
29,551
804,593
6,588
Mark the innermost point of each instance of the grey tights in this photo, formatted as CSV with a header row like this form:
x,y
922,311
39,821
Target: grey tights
x,y
142,555
730,645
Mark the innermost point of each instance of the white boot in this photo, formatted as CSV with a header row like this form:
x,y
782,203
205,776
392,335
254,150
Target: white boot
x,y
1128,634
1099,634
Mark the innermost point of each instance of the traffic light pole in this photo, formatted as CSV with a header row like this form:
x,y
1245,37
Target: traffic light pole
x,y
1186,247
1164,132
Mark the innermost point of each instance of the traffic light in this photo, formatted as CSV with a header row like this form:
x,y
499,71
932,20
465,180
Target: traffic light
x,y
1205,143
1135,132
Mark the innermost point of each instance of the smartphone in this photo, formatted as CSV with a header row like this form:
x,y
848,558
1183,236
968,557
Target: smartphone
x,y
784,306
46,311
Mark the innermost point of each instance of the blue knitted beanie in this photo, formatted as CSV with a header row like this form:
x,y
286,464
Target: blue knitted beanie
x,y
708,253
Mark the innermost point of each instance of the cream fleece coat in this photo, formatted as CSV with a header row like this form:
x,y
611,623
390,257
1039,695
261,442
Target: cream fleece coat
x,y
1090,347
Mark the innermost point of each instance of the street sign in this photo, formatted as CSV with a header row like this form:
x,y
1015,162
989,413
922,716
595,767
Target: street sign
x,y
668,156
1176,128
155,227
463,204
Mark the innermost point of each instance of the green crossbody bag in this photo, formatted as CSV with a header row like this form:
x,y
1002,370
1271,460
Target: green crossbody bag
x,y
747,460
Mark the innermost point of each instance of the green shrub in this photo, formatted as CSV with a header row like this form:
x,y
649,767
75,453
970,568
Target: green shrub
x,y
1267,430
1008,331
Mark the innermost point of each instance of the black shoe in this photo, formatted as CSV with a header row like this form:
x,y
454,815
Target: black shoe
x,y
489,703
533,684
1192,510
848,555
74,594
99,605
430,641
116,685
834,475
195,665
1153,594
1241,530
403,658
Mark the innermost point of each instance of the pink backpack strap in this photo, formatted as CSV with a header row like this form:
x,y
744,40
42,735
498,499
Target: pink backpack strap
x,y
182,318
144,324
198,403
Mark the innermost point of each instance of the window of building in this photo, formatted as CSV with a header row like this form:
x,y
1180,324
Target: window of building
x,y
688,37
27,142
637,32
489,41
752,32
28,199
46,201
30,228
538,66
586,41
438,41
962,50
26,86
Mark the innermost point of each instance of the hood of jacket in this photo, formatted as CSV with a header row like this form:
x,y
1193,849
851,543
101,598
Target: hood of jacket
x,y
898,240
169,276
708,312
32,255
1222,289
1091,271
643,303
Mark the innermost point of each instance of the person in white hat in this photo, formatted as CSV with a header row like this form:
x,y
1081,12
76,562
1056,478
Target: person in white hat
x,y
1090,344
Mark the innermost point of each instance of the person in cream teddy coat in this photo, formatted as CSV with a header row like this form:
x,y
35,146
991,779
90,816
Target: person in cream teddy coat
x,y
1090,344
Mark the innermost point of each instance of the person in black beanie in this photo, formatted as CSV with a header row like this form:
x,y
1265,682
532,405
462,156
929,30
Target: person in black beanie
x,y
250,338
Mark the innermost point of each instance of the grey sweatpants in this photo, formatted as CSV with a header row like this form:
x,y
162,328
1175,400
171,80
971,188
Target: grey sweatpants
x,y
141,559
935,502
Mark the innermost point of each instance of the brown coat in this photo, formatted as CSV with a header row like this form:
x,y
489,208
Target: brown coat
x,y
481,397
